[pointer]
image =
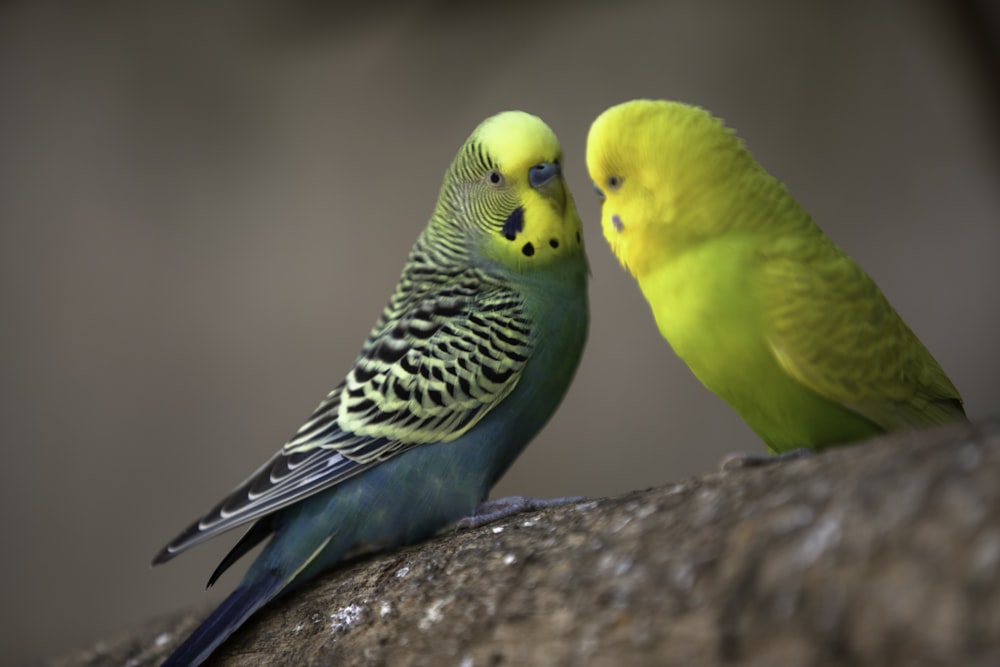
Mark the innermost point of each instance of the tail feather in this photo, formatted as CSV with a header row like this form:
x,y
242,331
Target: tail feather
x,y
230,615
257,534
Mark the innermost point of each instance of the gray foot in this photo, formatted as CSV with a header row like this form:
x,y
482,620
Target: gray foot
x,y
493,510
738,460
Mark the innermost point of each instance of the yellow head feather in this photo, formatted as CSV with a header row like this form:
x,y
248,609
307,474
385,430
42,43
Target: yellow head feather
x,y
661,167
494,185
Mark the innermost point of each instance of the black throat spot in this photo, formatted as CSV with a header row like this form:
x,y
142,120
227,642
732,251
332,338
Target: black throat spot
x,y
513,225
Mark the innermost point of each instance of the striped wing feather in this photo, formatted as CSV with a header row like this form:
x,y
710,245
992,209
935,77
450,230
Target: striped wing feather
x,y
439,359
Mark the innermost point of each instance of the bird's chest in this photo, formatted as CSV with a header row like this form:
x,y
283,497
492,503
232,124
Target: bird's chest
x,y
561,321
706,307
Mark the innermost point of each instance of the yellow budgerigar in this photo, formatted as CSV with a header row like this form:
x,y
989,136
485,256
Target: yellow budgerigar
x,y
766,310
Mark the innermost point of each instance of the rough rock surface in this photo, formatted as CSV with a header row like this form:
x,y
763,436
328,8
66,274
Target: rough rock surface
x,y
886,553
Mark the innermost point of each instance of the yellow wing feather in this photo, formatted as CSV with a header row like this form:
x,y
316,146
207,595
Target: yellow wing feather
x,y
832,329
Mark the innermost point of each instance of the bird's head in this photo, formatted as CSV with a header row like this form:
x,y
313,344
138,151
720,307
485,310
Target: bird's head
x,y
658,167
505,198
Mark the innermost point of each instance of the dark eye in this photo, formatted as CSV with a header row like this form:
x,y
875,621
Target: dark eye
x,y
614,182
494,178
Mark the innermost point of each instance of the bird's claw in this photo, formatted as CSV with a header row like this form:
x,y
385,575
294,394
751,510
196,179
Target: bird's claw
x,y
489,511
738,460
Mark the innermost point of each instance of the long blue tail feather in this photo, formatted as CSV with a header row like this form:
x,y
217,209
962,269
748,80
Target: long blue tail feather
x,y
230,615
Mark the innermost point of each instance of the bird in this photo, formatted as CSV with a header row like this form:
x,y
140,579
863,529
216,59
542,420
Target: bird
x,y
765,310
474,352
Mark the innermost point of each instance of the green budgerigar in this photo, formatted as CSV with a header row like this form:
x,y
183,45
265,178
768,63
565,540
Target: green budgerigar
x,y
762,306
470,358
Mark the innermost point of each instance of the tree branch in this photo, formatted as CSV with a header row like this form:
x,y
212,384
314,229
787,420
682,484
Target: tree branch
x,y
882,554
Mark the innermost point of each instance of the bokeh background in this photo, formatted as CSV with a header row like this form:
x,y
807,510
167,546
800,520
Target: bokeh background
x,y
204,206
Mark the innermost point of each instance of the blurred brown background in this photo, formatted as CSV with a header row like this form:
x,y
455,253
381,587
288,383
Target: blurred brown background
x,y
204,207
